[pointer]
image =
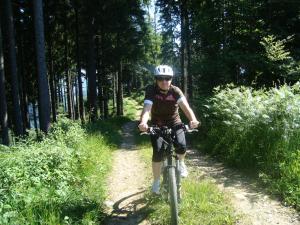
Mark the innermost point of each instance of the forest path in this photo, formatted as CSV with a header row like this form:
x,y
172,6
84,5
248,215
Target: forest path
x,y
255,206
127,184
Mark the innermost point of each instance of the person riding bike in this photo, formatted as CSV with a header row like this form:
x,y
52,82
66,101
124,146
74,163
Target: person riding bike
x,y
162,100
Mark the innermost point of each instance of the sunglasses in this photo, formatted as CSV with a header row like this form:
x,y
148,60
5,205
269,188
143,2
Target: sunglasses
x,y
163,78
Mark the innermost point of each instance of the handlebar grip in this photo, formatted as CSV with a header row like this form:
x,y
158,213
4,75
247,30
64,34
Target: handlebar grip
x,y
148,132
189,130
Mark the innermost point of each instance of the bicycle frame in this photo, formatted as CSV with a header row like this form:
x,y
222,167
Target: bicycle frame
x,y
168,162
171,173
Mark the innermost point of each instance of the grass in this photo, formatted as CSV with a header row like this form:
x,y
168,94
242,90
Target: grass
x,y
202,202
60,179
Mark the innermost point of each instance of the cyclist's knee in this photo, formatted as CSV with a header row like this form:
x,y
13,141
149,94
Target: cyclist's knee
x,y
157,158
181,150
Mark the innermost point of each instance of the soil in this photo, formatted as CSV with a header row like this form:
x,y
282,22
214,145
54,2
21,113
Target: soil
x,y
127,184
247,196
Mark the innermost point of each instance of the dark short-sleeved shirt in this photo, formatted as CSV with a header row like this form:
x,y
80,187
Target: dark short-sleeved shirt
x,y
164,110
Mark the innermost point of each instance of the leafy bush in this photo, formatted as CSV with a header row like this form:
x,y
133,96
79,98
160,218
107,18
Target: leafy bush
x,y
258,130
47,182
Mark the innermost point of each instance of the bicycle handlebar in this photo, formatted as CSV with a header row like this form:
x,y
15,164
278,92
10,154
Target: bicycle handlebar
x,y
152,130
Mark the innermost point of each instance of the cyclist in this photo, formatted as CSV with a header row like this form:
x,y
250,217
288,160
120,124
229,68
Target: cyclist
x,y
162,100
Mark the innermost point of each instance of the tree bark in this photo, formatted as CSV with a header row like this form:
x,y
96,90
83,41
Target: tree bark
x,y
44,98
52,84
34,116
23,85
115,89
100,96
100,75
120,90
78,66
91,69
3,103
184,46
190,75
67,74
77,116
8,25
105,101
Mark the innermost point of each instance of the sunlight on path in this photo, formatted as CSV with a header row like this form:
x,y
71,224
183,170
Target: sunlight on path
x,y
127,184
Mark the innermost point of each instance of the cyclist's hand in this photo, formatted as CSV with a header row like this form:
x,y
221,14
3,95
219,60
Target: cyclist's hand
x,y
194,124
143,127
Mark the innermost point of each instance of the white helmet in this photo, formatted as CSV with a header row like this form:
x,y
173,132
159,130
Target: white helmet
x,y
163,70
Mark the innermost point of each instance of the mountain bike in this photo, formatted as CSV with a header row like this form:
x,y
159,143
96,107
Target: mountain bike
x,y
171,184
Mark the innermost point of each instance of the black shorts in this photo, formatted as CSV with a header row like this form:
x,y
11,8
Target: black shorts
x,y
158,145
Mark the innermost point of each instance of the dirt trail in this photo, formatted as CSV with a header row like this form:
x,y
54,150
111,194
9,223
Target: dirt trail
x,y
256,207
127,184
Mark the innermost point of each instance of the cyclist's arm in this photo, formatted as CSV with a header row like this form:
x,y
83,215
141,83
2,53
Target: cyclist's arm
x,y
145,117
145,113
148,102
189,113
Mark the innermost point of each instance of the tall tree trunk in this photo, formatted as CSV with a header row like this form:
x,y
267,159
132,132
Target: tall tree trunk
x,y
3,103
8,25
22,78
100,96
52,84
34,116
115,90
76,106
91,68
25,105
120,91
60,94
72,97
100,75
56,85
105,101
23,85
190,75
184,46
78,65
67,73
44,98
64,94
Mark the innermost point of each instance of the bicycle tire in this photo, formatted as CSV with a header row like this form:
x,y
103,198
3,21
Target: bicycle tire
x,y
165,185
173,196
178,181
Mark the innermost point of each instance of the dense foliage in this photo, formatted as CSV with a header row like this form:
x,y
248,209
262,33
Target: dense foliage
x,y
57,180
258,130
225,40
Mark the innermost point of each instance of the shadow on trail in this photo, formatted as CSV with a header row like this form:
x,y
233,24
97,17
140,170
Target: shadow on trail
x,y
129,210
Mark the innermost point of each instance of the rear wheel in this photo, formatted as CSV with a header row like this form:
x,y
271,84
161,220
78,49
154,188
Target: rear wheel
x,y
173,196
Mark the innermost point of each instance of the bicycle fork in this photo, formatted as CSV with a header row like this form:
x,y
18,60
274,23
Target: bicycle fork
x,y
178,179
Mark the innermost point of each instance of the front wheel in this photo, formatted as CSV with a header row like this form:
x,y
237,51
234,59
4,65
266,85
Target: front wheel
x,y
173,196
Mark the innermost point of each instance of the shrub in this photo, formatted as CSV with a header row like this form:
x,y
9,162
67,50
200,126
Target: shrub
x,y
258,130
47,182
